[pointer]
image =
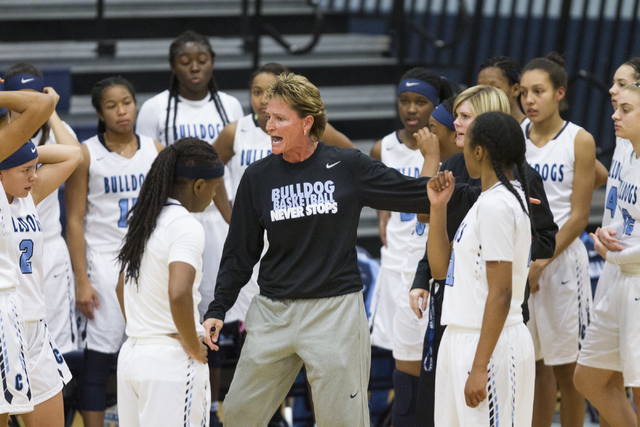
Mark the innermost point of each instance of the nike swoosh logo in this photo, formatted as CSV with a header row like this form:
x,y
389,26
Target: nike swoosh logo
x,y
391,148
56,275
637,299
100,158
244,130
564,283
412,84
332,165
26,80
33,150
354,395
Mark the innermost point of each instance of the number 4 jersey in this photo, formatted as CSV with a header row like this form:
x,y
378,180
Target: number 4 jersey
x,y
114,185
621,206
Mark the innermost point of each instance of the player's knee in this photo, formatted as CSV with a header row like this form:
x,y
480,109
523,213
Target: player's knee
x,y
404,403
580,381
97,368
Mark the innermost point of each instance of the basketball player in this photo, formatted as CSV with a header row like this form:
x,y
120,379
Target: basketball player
x,y
560,305
99,194
34,108
163,377
59,288
25,189
486,362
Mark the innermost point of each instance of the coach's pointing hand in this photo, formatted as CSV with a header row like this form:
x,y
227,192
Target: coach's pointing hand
x,y
212,329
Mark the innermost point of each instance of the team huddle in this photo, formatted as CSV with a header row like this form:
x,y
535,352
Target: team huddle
x,y
191,221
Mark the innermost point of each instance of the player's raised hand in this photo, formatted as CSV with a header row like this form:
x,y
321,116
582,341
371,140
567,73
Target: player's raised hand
x,y
212,329
440,188
428,143
52,93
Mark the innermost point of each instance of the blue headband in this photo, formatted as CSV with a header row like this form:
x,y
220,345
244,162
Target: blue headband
x,y
443,116
24,81
418,86
195,172
22,155
3,111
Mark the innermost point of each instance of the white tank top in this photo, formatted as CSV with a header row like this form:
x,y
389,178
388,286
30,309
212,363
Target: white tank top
x,y
495,229
619,154
555,162
622,195
28,239
114,185
9,271
251,143
49,208
409,162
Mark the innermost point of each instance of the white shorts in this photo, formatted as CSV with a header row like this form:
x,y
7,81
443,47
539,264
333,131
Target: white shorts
x,y
105,333
560,311
215,233
48,371
408,330
613,338
160,385
60,295
383,307
510,382
16,397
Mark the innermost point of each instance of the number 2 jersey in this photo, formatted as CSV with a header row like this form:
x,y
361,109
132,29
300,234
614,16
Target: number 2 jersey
x,y
113,188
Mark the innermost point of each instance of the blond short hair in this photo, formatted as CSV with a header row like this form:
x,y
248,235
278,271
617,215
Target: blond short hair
x,y
303,98
483,99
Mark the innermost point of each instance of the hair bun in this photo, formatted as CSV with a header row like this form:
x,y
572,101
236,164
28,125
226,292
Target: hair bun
x,y
556,57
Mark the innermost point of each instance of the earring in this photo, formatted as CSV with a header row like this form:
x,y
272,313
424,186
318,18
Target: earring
x,y
305,131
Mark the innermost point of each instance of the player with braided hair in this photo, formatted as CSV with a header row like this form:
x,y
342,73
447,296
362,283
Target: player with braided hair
x,y
163,376
564,155
486,363
98,197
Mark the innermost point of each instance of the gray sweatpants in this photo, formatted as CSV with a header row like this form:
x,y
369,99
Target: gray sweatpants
x,y
329,336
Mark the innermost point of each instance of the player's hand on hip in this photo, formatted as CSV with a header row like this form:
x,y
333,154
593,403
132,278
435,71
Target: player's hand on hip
x,y
418,300
86,300
440,188
475,390
212,329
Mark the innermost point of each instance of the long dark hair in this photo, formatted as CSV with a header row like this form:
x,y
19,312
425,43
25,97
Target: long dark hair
x,y
26,68
154,193
98,90
176,45
501,135
553,65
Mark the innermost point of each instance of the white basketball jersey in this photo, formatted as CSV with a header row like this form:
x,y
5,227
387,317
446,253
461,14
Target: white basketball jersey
x,y
495,229
251,143
28,239
49,208
400,227
9,271
622,146
555,162
199,119
622,196
178,237
114,185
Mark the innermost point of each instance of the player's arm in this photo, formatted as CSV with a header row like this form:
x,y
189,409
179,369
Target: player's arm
x,y
499,279
602,174
429,147
333,137
585,157
35,109
58,163
120,294
76,206
224,143
383,216
181,278
439,189
60,131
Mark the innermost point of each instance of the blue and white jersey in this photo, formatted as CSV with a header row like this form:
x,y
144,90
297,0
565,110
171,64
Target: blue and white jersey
x,y
401,226
8,268
114,185
613,180
28,239
495,229
251,143
622,197
555,162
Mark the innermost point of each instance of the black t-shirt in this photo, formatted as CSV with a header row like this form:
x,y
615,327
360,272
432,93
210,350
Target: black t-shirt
x,y
310,211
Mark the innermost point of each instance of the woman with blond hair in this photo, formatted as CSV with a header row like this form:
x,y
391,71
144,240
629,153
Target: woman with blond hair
x,y
467,106
308,197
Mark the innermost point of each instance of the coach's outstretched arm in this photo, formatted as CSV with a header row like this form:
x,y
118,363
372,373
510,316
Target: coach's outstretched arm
x,y
440,189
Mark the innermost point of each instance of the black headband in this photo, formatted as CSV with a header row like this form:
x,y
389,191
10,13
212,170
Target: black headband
x,y
195,172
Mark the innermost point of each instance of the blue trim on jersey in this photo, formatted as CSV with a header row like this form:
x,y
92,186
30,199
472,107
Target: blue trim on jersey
x,y
104,143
